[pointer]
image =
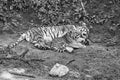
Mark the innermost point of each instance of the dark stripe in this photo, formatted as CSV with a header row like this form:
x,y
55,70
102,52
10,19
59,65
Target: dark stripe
x,y
30,33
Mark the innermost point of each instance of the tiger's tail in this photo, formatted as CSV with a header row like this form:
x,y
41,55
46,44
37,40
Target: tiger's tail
x,y
20,39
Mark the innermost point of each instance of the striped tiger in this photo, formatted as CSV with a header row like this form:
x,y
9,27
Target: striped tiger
x,y
40,36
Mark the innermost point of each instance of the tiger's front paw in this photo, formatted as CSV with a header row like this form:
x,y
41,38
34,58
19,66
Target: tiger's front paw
x,y
58,50
61,50
77,45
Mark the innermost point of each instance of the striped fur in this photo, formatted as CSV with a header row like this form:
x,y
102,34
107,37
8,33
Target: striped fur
x,y
42,35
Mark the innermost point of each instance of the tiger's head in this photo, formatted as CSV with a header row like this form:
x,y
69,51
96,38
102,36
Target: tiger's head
x,y
80,34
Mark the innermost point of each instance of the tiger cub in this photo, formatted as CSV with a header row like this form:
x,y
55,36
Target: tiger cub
x,y
40,36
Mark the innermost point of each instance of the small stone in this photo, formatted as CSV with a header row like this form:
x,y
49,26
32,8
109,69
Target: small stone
x,y
59,70
69,49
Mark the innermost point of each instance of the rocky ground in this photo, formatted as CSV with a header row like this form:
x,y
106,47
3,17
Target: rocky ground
x,y
98,61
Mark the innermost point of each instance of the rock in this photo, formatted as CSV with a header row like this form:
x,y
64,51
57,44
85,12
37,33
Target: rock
x,y
59,70
6,75
69,49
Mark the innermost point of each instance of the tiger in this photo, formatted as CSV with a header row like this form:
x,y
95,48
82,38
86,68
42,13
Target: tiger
x,y
41,36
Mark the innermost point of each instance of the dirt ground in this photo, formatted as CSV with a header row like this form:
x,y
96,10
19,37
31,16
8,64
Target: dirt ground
x,y
95,62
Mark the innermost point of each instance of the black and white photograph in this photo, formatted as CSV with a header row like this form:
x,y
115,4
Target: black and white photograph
x,y
59,39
